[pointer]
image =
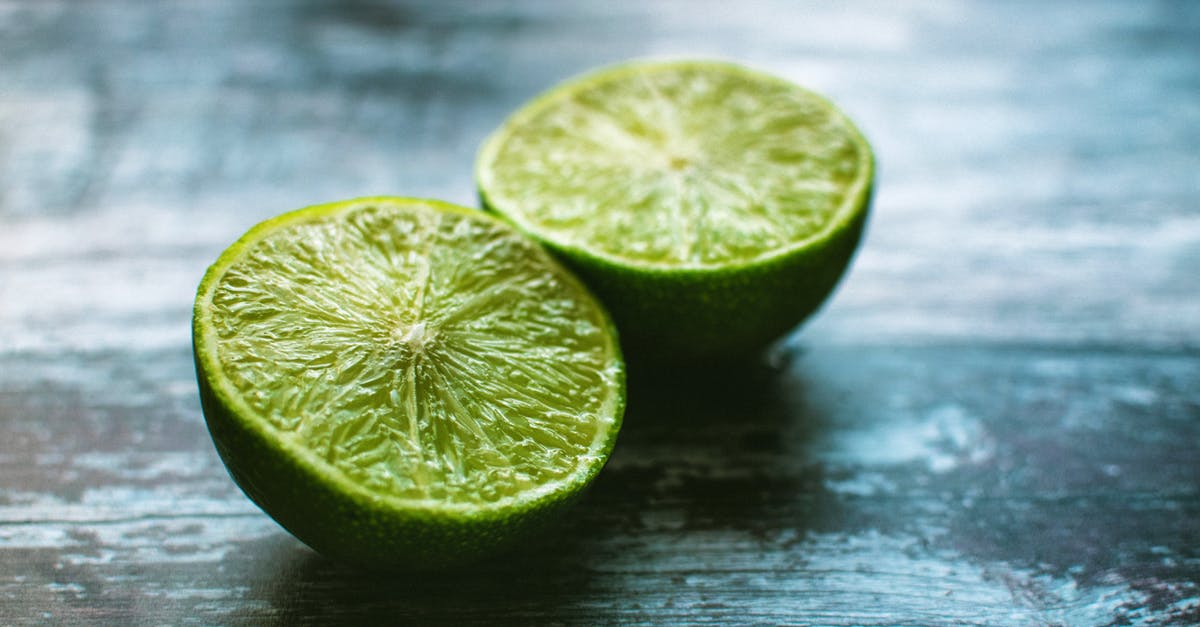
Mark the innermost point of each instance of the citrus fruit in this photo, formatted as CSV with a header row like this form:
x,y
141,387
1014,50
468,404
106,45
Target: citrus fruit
x,y
404,383
711,207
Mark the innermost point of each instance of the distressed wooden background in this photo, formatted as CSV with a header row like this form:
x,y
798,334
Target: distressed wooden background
x,y
996,420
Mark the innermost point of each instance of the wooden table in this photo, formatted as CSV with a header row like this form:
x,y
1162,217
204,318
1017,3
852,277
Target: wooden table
x,y
995,421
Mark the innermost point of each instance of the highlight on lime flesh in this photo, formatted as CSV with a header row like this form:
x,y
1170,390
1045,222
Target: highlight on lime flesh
x,y
711,207
404,383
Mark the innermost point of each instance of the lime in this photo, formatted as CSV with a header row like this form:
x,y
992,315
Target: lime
x,y
404,383
710,207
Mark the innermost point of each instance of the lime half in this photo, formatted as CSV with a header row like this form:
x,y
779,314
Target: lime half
x,y
710,206
404,383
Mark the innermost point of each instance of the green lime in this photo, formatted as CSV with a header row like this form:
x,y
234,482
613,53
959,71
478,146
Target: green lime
x,y
404,383
710,207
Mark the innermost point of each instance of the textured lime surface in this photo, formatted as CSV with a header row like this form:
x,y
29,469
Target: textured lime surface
x,y
687,189
433,377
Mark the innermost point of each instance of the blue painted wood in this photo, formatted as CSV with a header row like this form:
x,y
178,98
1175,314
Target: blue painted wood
x,y
995,421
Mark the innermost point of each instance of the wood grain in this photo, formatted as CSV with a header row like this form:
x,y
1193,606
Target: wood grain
x,y
995,421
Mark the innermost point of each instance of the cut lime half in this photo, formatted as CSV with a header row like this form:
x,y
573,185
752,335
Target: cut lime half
x,y
404,383
712,207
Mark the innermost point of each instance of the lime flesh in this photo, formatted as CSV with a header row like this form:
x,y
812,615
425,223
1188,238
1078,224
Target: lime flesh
x,y
690,184
427,369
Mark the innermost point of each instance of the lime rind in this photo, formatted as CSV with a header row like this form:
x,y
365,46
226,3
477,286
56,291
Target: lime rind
x,y
228,403
855,196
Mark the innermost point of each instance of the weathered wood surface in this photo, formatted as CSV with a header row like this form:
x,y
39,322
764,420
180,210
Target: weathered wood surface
x,y
996,421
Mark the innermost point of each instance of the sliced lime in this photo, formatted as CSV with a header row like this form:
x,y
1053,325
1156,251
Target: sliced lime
x,y
711,207
404,382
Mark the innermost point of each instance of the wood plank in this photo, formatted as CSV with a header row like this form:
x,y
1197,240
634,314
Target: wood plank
x,y
850,485
996,420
